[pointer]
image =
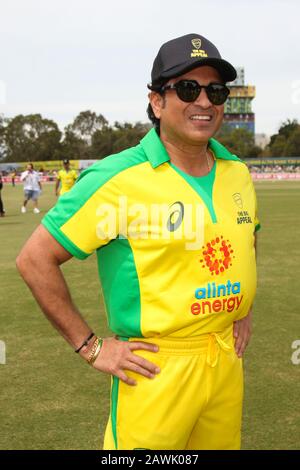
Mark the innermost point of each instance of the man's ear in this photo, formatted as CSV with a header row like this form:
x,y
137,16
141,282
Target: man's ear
x,y
156,101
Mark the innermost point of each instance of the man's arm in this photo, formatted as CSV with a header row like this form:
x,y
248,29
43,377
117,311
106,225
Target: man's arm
x,y
23,175
39,264
57,186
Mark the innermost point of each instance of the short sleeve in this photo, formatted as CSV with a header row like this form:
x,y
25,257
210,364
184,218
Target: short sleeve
x,y
256,218
86,217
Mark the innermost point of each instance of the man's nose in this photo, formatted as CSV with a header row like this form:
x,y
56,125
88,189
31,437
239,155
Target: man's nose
x,y
203,100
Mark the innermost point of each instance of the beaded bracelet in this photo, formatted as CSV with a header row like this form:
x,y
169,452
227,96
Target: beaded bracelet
x,y
85,343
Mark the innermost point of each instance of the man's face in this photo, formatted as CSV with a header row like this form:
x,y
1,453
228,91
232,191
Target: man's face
x,y
181,121
66,166
29,168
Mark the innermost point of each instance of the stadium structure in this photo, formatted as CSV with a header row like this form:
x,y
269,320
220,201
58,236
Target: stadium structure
x,y
238,112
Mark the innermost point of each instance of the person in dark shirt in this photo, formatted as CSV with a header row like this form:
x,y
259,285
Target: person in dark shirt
x,y
2,211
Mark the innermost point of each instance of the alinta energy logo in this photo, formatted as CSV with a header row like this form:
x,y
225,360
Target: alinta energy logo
x,y
217,255
214,297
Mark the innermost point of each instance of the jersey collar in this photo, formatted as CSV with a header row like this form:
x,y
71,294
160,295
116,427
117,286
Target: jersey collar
x,y
157,155
154,149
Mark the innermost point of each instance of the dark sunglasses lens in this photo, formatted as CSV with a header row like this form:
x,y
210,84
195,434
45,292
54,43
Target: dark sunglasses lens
x,y
217,94
187,91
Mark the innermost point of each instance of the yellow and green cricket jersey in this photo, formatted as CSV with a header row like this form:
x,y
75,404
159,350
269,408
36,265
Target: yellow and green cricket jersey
x,y
175,253
67,180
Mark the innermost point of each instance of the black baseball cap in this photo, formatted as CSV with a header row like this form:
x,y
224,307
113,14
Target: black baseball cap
x,y
180,55
66,161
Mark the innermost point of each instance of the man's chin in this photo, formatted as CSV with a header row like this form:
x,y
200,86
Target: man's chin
x,y
202,135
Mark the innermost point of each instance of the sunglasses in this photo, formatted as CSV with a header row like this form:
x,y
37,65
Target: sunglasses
x,y
189,90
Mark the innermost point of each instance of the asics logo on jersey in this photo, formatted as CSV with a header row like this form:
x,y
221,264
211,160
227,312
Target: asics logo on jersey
x,y
176,216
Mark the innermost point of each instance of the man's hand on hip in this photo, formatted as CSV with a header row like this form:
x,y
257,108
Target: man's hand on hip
x,y
242,330
117,356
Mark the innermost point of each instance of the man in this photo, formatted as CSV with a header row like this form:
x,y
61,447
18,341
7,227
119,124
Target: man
x,y
32,188
66,177
172,221
2,211
13,178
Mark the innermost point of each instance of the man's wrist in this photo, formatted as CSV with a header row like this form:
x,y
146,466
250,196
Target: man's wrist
x,y
85,350
91,351
86,341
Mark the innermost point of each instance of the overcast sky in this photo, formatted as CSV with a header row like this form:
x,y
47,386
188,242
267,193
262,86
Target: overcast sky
x,y
61,57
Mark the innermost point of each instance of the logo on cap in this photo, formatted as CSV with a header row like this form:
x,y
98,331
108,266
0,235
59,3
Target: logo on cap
x,y
197,51
196,43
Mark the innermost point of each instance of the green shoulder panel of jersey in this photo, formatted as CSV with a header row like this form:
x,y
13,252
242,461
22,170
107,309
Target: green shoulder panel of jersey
x,y
221,152
89,182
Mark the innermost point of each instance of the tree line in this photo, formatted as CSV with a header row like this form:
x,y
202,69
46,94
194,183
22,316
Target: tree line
x,y
90,136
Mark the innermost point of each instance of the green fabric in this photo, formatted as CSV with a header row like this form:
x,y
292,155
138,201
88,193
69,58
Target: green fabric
x,y
203,185
89,182
157,153
154,149
257,227
114,404
150,149
114,408
221,152
121,289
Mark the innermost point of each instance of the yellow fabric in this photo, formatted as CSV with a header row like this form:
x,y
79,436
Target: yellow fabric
x,y
171,277
194,403
95,231
67,180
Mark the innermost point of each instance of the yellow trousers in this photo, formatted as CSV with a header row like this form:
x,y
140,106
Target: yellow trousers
x,y
194,403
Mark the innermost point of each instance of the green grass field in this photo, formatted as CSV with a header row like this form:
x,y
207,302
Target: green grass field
x,y
50,399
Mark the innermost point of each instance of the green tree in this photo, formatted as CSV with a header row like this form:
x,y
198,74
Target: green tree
x,y
31,138
102,143
115,139
79,134
285,130
284,143
239,141
74,148
277,148
292,148
3,123
128,135
86,124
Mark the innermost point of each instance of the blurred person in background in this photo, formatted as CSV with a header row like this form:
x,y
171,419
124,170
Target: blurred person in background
x,y
32,188
2,211
13,177
65,179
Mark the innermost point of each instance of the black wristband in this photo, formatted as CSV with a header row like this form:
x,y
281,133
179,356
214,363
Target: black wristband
x,y
85,343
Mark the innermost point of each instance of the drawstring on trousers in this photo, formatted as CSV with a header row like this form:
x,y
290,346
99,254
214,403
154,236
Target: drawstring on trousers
x,y
213,350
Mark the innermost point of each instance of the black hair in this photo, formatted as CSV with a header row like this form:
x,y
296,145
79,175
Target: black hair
x,y
155,121
157,87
